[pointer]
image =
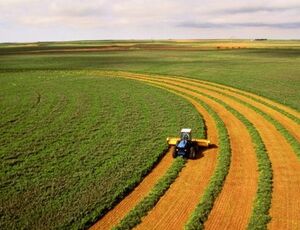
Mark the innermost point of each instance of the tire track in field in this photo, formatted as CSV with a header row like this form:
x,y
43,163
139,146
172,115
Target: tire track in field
x,y
285,207
238,182
115,215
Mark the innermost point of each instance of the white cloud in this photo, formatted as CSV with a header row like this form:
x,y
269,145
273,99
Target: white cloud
x,y
149,19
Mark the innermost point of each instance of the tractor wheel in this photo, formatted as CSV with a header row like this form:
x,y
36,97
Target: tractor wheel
x,y
174,153
192,153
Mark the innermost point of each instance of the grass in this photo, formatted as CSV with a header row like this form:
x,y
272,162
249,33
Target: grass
x,y
72,145
260,213
276,108
201,213
288,136
271,69
135,215
63,130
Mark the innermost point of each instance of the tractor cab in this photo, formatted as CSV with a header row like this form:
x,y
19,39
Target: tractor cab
x,y
183,146
186,134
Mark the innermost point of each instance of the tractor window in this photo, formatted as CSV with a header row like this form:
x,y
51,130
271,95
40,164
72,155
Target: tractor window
x,y
185,136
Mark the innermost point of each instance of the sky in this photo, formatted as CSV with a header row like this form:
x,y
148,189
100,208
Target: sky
x,y
56,20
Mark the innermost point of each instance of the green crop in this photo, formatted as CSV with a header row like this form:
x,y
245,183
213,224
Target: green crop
x,y
260,213
288,136
73,145
270,71
135,215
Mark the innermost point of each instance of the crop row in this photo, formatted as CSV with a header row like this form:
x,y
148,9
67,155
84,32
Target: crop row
x,y
147,203
200,214
274,107
288,136
260,214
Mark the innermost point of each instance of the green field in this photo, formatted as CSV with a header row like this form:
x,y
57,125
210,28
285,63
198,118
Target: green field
x,y
73,143
269,68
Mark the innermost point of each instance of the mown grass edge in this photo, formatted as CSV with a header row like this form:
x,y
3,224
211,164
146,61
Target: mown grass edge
x,y
135,215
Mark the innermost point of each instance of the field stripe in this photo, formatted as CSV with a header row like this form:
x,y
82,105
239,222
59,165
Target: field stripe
x,y
115,215
142,208
281,128
216,181
285,165
286,169
291,124
244,163
172,211
288,112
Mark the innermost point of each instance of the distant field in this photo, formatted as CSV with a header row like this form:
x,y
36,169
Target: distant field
x,y
267,68
80,128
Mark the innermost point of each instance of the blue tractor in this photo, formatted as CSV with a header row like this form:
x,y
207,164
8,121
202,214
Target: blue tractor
x,y
185,146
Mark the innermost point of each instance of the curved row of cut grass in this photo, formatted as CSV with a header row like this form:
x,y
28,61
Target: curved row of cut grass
x,y
274,107
260,213
262,203
201,213
135,215
287,135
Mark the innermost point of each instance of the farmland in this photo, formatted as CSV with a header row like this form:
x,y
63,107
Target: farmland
x,y
83,128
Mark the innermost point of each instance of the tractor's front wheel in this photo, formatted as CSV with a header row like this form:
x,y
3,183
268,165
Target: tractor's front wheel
x,y
174,153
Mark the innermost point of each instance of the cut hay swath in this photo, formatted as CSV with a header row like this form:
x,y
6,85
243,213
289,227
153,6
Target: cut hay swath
x,y
257,115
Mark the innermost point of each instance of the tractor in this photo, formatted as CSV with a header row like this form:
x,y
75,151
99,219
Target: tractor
x,y
185,146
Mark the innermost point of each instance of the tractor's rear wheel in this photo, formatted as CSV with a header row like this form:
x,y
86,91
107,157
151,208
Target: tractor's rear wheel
x,y
192,153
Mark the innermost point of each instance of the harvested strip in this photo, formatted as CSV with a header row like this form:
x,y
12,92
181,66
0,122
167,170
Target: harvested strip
x,y
173,209
290,138
284,210
200,214
116,214
242,178
291,125
286,169
289,112
141,209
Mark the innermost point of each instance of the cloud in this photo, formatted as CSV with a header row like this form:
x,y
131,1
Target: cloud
x,y
288,25
147,18
255,9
